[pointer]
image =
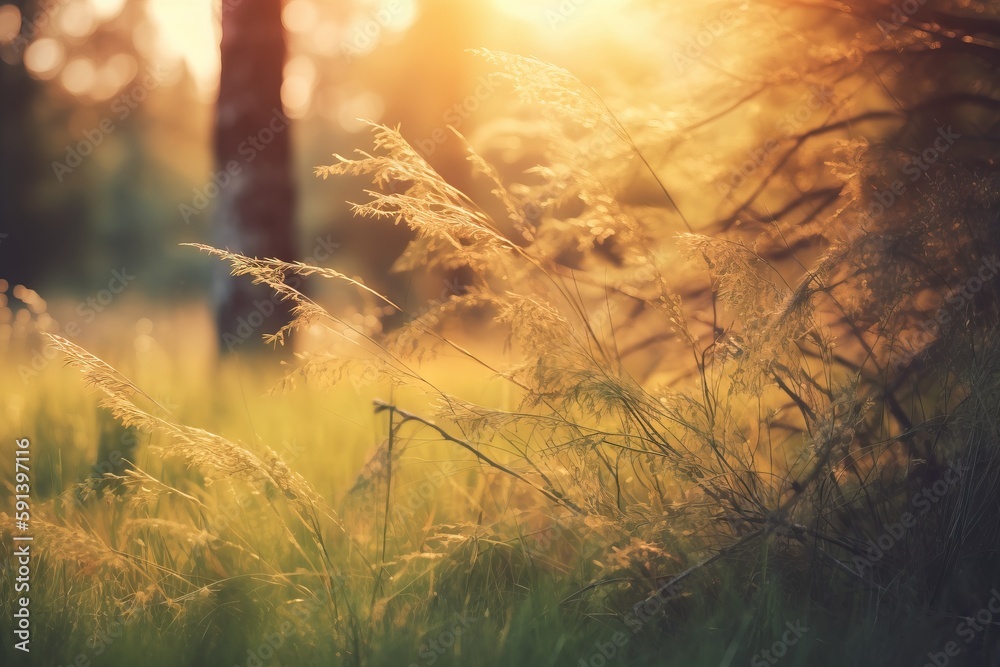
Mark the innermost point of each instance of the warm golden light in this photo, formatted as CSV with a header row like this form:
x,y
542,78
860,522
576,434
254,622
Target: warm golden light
x,y
77,20
364,105
299,15
105,10
10,23
78,76
324,38
297,89
370,27
43,57
113,75
187,33
551,17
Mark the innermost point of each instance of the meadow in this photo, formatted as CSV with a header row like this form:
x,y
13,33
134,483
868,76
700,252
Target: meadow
x,y
440,495
165,561
630,430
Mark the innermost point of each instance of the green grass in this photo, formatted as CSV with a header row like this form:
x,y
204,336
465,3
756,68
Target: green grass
x,y
460,550
734,431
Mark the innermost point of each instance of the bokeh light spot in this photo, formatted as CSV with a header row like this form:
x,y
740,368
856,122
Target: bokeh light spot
x,y
299,15
43,57
358,108
77,20
105,10
78,76
297,88
10,23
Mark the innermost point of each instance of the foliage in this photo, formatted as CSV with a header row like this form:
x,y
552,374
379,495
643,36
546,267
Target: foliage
x,y
761,466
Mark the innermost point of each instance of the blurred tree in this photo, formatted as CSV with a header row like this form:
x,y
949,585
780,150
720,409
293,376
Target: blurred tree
x,y
20,167
256,197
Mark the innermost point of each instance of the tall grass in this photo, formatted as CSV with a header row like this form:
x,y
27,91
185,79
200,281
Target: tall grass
x,y
751,474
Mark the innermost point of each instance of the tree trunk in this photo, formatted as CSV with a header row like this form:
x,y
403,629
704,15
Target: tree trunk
x,y
256,201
